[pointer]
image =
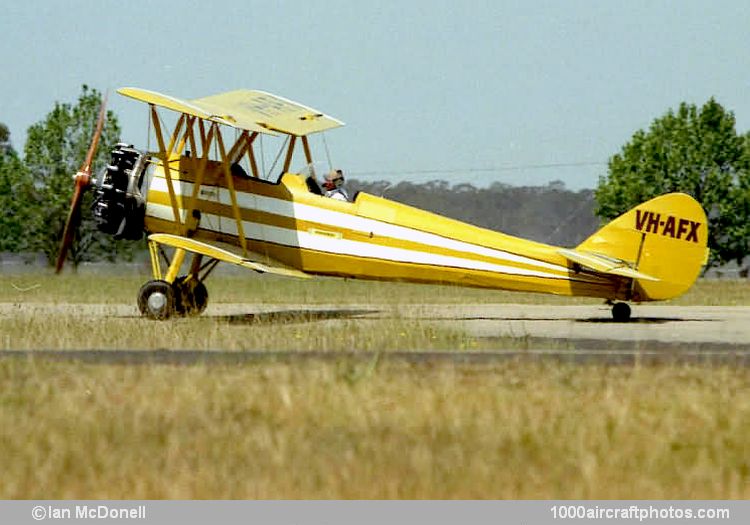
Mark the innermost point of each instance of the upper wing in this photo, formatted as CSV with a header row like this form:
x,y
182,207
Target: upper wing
x,y
269,111
604,264
244,109
189,107
221,254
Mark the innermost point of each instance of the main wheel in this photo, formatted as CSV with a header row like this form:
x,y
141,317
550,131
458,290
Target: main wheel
x,y
621,312
156,300
191,296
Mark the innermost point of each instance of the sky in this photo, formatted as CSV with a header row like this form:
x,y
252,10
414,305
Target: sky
x,y
520,93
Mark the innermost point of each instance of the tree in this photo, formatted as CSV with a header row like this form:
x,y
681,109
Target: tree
x,y
695,151
16,197
4,138
55,149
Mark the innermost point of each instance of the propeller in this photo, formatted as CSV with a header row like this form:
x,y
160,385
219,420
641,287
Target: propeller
x,y
82,180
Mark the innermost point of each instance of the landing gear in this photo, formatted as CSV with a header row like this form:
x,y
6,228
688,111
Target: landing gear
x,y
156,300
170,295
160,300
190,296
621,312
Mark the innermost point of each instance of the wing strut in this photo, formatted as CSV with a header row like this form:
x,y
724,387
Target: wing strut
x,y
289,153
165,153
306,146
225,163
199,165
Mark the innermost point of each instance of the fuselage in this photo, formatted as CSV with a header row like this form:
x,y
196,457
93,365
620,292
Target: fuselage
x,y
368,238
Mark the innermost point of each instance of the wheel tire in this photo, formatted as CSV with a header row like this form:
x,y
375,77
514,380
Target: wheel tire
x,y
621,312
200,298
156,300
191,296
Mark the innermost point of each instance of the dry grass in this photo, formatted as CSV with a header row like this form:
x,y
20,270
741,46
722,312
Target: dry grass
x,y
515,430
32,330
248,287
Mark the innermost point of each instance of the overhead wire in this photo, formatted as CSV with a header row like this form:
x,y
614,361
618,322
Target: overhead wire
x,y
494,169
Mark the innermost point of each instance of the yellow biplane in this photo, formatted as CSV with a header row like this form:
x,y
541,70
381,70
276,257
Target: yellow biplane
x,y
194,197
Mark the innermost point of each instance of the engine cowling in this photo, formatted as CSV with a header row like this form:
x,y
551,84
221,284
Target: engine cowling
x,y
119,207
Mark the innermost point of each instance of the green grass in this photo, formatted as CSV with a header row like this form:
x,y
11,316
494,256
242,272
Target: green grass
x,y
512,430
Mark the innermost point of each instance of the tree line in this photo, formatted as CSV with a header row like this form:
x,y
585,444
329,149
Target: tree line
x,y
36,187
550,214
696,150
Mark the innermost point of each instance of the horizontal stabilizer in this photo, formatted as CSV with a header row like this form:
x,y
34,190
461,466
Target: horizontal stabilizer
x,y
223,255
604,264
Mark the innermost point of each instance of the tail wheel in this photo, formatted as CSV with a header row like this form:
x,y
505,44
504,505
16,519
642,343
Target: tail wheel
x,y
621,312
191,296
156,300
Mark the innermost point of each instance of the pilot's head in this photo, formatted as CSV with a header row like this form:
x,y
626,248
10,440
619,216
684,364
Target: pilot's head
x,y
334,179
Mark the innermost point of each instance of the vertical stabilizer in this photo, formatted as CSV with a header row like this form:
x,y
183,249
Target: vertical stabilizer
x,y
664,238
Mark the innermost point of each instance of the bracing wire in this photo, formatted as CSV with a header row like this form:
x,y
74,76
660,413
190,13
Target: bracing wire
x,y
163,127
278,156
571,216
262,157
148,131
328,153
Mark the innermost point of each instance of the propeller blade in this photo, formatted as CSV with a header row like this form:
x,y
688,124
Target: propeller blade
x,y
71,224
86,167
82,181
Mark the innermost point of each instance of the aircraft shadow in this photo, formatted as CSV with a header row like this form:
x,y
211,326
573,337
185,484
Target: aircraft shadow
x,y
602,320
292,316
642,320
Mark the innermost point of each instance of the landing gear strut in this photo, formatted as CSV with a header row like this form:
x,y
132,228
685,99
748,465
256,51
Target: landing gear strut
x,y
621,312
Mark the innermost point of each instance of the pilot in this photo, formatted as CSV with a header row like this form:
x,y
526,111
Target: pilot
x,y
334,185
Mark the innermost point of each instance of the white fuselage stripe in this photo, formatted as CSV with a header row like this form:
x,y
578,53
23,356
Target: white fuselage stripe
x,y
323,243
337,219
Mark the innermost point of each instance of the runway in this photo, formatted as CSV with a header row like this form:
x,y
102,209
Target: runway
x,y
580,334
651,324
